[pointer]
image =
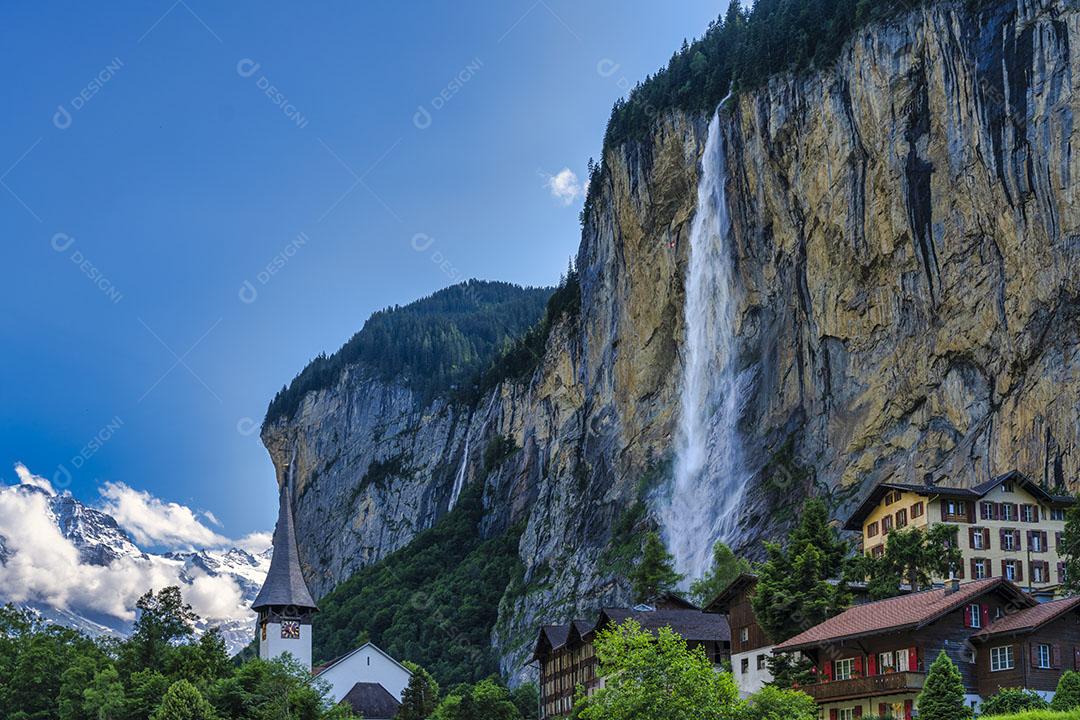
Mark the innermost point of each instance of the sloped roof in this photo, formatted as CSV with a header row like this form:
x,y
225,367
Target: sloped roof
x,y
341,658
1033,617
720,603
854,522
284,584
371,701
899,613
693,625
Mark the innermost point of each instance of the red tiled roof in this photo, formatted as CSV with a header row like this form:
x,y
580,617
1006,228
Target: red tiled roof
x,y
1032,617
906,611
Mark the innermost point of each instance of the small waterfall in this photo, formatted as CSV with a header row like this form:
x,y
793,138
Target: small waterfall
x,y
709,479
459,479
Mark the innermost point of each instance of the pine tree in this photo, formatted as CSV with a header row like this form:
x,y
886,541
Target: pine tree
x,y
1070,541
655,574
183,701
942,697
421,696
725,568
1067,696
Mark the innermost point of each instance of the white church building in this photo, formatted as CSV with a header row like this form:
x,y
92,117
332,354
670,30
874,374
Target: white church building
x,y
367,679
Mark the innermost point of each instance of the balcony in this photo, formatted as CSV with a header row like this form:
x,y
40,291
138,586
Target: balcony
x,y
862,687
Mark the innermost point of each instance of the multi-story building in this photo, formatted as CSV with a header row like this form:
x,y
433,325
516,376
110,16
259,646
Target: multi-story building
x,y
750,646
1009,527
567,659
872,659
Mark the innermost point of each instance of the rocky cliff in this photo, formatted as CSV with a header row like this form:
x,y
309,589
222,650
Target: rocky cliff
x,y
907,256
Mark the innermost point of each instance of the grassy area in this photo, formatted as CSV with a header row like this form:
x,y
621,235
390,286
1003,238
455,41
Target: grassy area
x,y
1038,715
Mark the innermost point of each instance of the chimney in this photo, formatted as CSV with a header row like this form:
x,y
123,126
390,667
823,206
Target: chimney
x,y
952,586
928,479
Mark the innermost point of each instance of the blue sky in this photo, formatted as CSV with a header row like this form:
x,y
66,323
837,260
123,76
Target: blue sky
x,y
199,197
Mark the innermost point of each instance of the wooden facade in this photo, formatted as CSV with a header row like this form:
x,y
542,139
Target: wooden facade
x,y
567,658
880,673
750,646
1037,656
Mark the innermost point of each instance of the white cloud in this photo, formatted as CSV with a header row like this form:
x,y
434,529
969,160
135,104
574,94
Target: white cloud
x,y
28,478
46,567
211,517
154,522
255,542
564,186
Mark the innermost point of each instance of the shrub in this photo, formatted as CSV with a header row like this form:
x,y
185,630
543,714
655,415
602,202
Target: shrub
x,y
1067,696
1009,701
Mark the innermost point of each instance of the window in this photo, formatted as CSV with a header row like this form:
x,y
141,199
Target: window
x,y
1043,655
903,660
1008,541
846,714
745,665
979,569
886,524
1057,513
1001,658
761,662
877,551
886,662
1029,513
1036,542
1010,570
986,510
1038,572
744,635
1008,512
974,616
901,518
977,539
872,529
917,510
892,496
843,669
1007,487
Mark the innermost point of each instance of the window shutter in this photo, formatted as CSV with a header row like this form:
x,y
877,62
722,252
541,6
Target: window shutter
x,y
986,538
858,711
913,659
971,538
907,709
1003,573
881,710
944,509
1045,540
1019,572
1029,534
967,616
1033,651
997,511
1016,539
985,610
871,663
989,567
1016,510
1055,657
974,573
1001,538
828,671
834,714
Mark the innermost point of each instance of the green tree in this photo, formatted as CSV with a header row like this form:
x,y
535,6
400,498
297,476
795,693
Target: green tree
x,y
912,556
801,584
773,703
526,699
942,696
1067,696
104,699
1009,701
73,683
791,670
655,573
183,701
726,566
146,688
421,696
486,700
164,621
1070,550
656,677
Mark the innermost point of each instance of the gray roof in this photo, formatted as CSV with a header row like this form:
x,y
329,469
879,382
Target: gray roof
x,y
284,584
371,701
693,625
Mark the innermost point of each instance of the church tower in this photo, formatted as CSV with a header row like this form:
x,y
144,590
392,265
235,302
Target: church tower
x,y
284,604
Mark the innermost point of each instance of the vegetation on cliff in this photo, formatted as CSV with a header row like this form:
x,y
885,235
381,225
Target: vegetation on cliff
x,y
434,602
434,345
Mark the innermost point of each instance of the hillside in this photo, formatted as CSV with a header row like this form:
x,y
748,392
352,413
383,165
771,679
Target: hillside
x,y
900,297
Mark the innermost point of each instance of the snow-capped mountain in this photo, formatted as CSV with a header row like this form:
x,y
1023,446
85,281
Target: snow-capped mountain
x,y
103,544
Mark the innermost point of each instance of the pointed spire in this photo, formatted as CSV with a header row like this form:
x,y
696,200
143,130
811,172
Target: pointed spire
x,y
284,584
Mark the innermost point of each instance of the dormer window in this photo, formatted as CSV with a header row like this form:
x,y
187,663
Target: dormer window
x,y
892,496
1006,487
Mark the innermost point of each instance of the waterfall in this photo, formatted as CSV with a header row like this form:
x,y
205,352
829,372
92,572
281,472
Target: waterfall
x,y
708,481
459,481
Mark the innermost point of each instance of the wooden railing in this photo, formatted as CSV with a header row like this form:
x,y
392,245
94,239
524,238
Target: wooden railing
x,y
865,686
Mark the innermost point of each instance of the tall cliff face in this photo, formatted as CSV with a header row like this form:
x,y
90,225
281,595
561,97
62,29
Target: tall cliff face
x,y
907,255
